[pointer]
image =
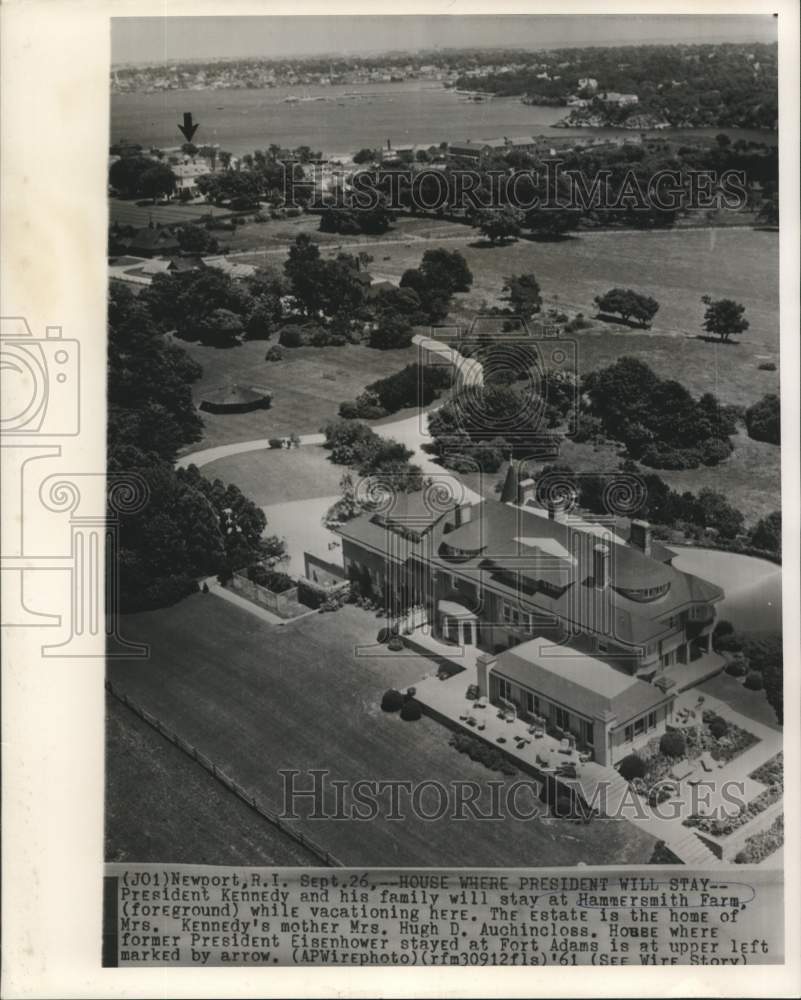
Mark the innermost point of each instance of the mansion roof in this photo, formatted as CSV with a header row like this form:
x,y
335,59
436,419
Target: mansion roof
x,y
542,564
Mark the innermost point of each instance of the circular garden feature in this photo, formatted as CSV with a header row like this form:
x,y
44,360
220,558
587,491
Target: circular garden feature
x,y
235,399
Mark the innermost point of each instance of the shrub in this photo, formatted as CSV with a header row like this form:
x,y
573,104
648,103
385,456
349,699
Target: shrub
x,y
392,701
274,354
718,727
763,419
673,744
383,635
736,668
632,767
290,336
767,366
395,644
276,442
410,711
754,680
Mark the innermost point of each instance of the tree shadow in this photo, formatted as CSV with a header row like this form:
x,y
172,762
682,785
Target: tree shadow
x,y
485,244
707,339
611,320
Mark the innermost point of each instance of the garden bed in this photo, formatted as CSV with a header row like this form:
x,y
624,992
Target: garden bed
x,y
771,772
762,845
728,824
699,740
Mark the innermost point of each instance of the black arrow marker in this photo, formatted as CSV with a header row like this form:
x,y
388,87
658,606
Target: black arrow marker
x,y
188,128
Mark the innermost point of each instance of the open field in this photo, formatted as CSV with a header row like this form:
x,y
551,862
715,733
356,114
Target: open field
x,y
162,807
307,385
750,477
258,699
279,475
128,213
676,267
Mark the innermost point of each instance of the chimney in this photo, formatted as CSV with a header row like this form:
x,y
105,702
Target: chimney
x,y
600,565
462,514
640,536
510,491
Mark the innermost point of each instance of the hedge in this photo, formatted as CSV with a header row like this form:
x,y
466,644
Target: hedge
x,y
632,767
754,681
392,701
410,711
673,745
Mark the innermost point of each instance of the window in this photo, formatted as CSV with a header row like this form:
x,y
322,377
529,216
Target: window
x,y
504,689
561,717
528,621
628,734
532,703
587,732
639,726
652,720
507,614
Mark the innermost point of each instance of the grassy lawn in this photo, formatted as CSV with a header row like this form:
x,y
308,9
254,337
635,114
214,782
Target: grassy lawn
x,y
752,704
258,699
752,474
307,385
128,213
277,476
162,807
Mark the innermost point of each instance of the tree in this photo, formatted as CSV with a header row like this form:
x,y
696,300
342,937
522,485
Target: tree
x,y
364,155
714,511
767,533
525,296
221,327
302,268
394,332
628,304
723,317
447,270
498,225
141,176
763,420
434,300
196,239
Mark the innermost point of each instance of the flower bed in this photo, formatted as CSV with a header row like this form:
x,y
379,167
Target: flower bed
x,y
771,772
699,739
728,824
479,751
762,845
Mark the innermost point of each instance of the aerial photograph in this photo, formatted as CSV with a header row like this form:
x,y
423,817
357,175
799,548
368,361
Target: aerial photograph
x,y
445,351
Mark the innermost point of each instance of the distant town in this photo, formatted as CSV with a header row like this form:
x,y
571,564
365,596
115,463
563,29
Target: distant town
x,y
675,85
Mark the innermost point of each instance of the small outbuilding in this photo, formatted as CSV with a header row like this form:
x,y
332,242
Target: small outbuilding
x,y
236,399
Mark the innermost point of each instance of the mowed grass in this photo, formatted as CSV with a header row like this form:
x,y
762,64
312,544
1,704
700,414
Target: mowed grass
x,y
128,213
279,475
259,699
675,267
161,807
308,385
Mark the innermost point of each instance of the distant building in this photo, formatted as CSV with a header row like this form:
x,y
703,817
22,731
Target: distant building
x,y
588,83
612,97
230,267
